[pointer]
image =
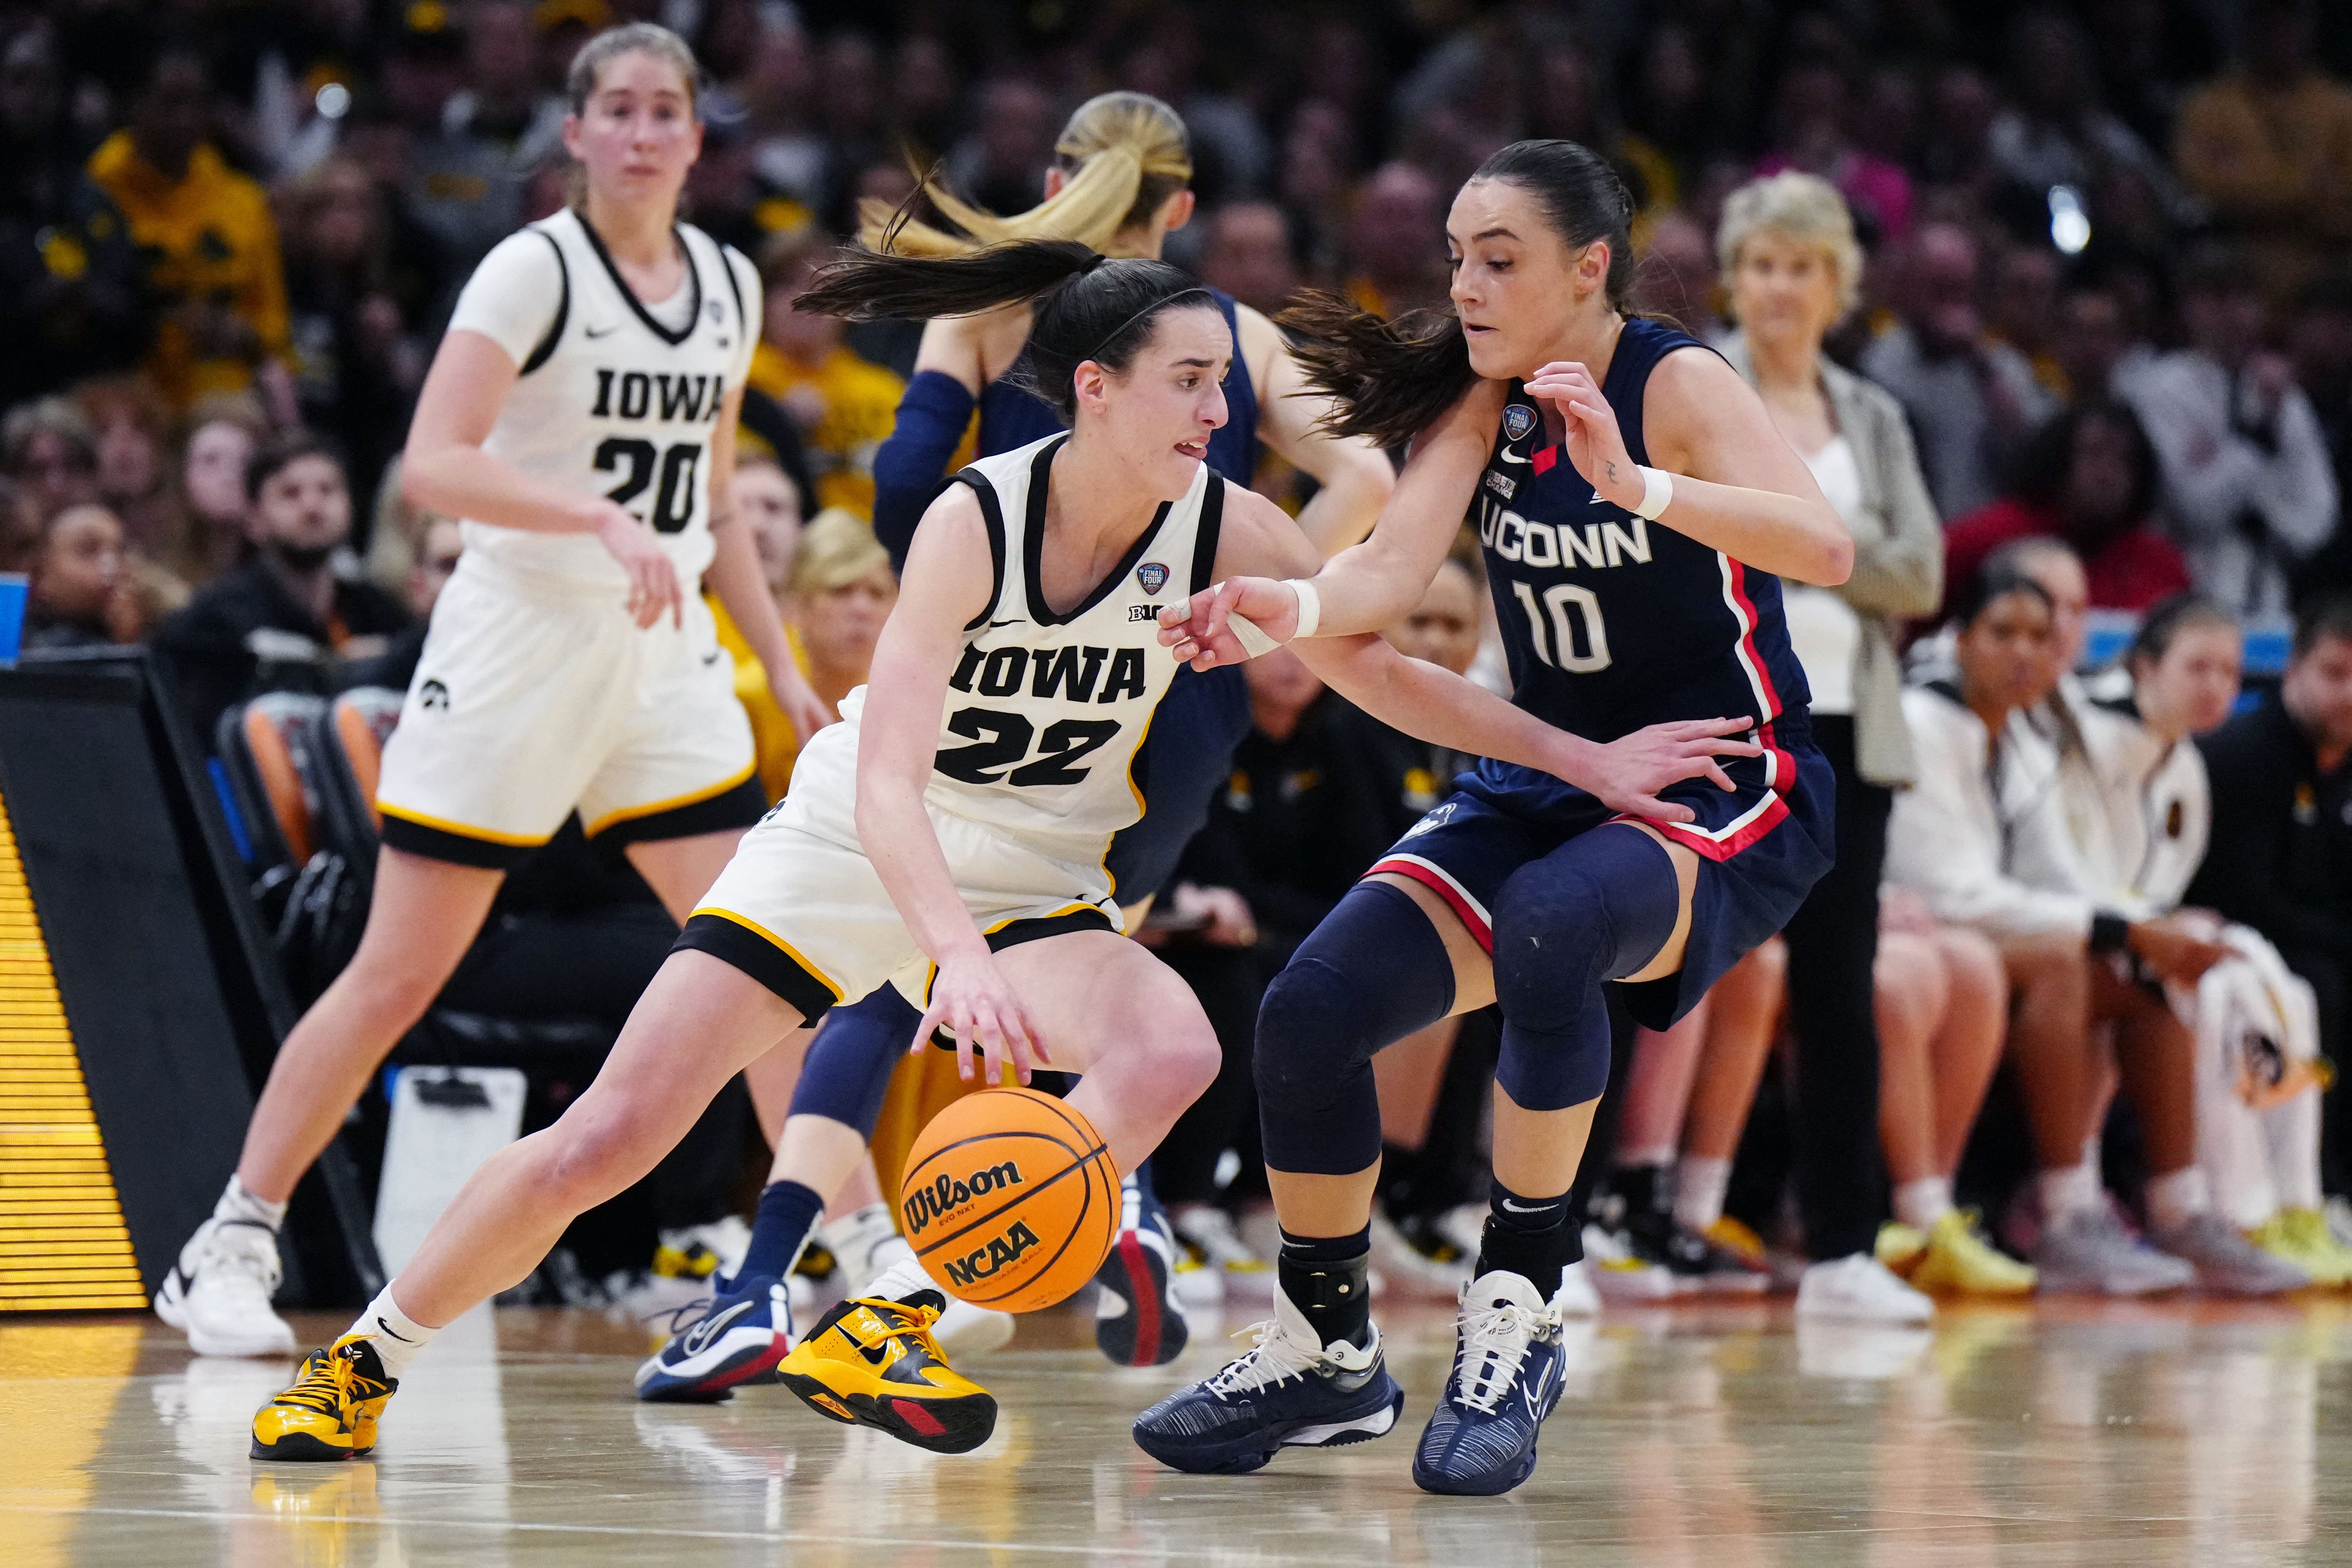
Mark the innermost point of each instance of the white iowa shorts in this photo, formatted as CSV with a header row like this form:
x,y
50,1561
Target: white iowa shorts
x,y
805,914
534,697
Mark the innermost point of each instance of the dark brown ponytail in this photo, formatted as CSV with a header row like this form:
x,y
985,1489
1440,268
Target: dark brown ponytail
x,y
1394,379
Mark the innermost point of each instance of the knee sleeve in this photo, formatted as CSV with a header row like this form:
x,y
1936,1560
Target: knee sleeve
x,y
1371,974
850,1061
1596,909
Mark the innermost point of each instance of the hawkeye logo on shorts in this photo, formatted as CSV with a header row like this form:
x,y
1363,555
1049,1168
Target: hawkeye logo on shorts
x,y
1517,420
947,1195
432,695
982,1262
1152,575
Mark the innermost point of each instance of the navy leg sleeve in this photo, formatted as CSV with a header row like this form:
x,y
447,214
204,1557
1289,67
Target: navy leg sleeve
x,y
1371,974
1596,909
850,1062
910,467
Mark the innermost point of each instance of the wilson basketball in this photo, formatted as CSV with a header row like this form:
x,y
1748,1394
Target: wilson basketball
x,y
1010,1200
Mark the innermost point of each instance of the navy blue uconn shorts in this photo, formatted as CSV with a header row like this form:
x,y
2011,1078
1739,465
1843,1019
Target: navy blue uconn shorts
x,y
1760,847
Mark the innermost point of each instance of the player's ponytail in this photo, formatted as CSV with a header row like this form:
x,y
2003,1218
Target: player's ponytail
x,y
1392,379
1124,154
1087,307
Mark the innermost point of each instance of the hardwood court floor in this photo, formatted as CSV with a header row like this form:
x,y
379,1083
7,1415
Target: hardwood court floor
x,y
1711,1437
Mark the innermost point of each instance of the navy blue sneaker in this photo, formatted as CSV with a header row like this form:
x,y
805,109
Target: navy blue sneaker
x,y
737,1336
1137,1322
1290,1390
1481,1438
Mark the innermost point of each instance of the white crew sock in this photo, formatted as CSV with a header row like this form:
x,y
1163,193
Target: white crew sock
x,y
237,1203
1700,1182
1921,1204
2177,1196
2068,1190
861,1242
397,1336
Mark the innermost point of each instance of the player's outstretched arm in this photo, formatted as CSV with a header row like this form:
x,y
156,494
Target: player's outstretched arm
x,y
946,584
735,575
1354,475
1372,585
1440,707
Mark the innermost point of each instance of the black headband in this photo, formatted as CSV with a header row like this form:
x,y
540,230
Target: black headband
x,y
1112,336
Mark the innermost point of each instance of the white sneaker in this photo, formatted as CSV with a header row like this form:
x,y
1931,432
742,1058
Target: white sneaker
x,y
1413,1269
963,1328
218,1293
1860,1289
1236,1273
1578,1297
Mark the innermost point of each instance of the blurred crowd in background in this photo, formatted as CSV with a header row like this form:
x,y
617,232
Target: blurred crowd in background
x,y
2099,255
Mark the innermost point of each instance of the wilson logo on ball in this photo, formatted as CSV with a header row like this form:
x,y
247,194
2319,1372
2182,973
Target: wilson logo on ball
x,y
1000,1251
945,1195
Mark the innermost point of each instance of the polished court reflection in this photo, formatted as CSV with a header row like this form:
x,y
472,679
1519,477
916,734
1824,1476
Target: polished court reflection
x,y
2083,1434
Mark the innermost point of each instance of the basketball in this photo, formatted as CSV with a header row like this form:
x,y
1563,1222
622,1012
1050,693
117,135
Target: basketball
x,y
1010,1200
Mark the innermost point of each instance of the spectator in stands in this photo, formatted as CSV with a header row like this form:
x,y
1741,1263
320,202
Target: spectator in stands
x,y
1000,166
48,449
356,362
2281,859
206,235
2098,352
2087,478
286,605
1248,256
223,432
2056,132
504,106
2248,484
766,497
1396,251
1971,400
1793,270
131,429
1814,116
2268,144
836,591
1976,839
843,405
80,595
70,302
1678,276
464,191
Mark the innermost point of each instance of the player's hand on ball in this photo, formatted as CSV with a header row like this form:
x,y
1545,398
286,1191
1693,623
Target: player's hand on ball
x,y
971,1000
652,579
1197,632
1628,772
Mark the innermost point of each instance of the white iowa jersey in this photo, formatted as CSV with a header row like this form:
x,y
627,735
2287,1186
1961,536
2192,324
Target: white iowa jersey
x,y
1045,712
610,399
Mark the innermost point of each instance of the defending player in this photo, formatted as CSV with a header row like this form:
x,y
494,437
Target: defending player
x,y
960,813
1627,597
579,415
1119,184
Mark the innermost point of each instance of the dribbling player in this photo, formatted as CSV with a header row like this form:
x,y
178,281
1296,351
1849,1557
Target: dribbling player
x,y
973,788
579,415
1628,596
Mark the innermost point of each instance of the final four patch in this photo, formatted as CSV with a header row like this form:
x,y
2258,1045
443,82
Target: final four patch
x,y
1152,575
1517,420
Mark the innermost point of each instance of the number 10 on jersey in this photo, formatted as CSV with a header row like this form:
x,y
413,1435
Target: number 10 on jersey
x,y
1557,641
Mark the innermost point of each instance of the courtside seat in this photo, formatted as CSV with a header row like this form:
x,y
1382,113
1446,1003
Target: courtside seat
x,y
359,722
268,748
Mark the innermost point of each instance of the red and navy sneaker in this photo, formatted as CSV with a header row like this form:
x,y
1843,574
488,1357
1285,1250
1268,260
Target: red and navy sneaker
x,y
738,1338
1137,1322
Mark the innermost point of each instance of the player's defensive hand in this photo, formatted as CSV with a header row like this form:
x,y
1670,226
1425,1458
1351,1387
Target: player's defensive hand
x,y
652,579
798,700
973,1001
1197,633
1594,443
1627,774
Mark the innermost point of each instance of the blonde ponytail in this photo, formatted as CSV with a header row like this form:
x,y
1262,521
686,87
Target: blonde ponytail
x,y
1127,153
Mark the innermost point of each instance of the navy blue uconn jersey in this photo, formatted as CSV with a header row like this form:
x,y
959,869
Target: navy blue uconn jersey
x,y
1612,623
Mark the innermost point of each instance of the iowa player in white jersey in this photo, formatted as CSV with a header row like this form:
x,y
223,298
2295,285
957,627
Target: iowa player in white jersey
x,y
580,417
963,804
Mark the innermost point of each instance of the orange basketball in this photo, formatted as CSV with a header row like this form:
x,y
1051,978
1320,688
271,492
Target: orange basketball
x,y
1010,1200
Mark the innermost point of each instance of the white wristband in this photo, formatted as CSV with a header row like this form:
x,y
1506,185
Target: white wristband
x,y
1657,490
1310,607
1253,641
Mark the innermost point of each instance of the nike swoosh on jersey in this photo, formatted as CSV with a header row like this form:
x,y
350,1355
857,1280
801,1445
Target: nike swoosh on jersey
x,y
1510,456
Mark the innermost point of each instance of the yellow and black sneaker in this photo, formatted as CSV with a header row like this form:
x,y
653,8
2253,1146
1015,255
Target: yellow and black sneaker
x,y
873,1362
330,1412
